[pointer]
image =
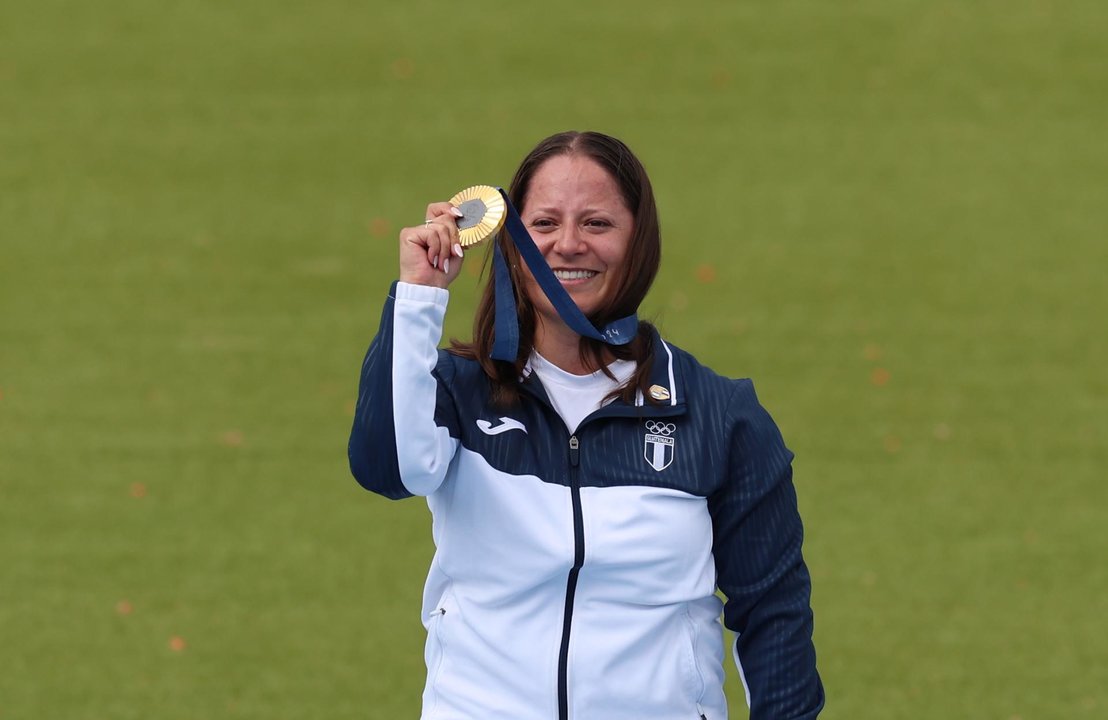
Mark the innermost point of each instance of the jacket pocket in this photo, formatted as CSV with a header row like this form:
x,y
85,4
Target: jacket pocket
x,y
696,676
436,649
436,644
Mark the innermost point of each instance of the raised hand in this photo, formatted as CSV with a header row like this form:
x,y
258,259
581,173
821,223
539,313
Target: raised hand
x,y
430,254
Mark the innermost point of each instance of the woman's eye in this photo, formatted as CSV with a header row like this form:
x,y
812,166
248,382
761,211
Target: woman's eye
x,y
598,223
542,222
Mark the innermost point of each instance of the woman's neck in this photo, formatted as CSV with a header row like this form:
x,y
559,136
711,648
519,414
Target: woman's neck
x,y
561,346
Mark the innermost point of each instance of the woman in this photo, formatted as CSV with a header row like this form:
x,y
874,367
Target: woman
x,y
588,498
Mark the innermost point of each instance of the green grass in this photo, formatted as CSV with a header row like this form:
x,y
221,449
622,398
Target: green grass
x,y
198,210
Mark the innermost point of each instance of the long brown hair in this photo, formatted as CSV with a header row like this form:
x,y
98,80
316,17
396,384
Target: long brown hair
x,y
644,254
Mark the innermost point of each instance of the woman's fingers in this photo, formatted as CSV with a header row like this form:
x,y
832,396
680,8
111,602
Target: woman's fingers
x,y
442,219
442,236
439,209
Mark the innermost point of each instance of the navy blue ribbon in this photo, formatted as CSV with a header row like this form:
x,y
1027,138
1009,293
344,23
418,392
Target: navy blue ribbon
x,y
505,344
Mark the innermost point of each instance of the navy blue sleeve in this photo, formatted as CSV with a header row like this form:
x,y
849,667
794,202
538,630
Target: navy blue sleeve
x,y
757,547
372,448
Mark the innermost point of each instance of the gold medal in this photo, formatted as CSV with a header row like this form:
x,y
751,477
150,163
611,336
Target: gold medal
x,y
483,213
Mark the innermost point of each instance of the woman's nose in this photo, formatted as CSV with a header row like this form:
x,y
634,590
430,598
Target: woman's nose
x,y
569,241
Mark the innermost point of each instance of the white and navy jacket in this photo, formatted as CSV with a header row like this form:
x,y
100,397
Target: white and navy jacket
x,y
575,575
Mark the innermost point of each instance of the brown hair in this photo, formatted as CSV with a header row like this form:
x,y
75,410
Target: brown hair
x,y
644,254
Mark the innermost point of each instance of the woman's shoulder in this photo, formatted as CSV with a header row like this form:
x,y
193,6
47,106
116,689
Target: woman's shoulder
x,y
706,382
451,365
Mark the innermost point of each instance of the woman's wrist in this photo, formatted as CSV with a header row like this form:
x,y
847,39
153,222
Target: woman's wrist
x,y
427,279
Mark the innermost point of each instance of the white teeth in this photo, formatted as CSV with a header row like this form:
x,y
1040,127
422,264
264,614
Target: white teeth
x,y
574,274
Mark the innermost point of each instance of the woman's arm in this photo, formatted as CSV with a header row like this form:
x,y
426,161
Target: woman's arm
x,y
401,443
757,548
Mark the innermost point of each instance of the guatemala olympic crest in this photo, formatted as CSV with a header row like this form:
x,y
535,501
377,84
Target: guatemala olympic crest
x,y
658,448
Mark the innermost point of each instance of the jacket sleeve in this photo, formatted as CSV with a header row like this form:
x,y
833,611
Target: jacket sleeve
x,y
405,426
757,548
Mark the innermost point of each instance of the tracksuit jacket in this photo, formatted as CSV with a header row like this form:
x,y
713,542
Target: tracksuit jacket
x,y
575,575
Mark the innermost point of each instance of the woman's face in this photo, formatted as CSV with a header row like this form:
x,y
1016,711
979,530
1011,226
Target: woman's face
x,y
577,218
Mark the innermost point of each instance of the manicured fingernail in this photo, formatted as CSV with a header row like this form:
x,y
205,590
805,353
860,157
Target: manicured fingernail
x,y
446,265
457,249
456,212
435,262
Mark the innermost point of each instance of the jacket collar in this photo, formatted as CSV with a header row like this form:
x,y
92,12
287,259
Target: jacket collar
x,y
667,388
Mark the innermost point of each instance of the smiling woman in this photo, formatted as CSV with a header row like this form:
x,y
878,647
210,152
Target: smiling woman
x,y
582,226
589,496
588,204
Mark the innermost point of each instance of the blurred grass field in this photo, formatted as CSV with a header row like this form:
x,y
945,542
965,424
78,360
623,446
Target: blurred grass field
x,y
892,214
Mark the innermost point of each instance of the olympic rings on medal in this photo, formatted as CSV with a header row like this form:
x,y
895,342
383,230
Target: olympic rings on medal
x,y
660,428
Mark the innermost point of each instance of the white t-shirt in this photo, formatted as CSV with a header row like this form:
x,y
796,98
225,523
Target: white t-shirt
x,y
576,396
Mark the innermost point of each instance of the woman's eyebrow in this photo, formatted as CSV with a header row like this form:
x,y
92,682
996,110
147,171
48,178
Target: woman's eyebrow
x,y
555,210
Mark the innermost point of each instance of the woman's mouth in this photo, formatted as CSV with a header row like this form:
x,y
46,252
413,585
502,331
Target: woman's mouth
x,y
564,275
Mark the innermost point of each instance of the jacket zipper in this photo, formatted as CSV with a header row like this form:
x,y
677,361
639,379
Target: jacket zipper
x,y
571,581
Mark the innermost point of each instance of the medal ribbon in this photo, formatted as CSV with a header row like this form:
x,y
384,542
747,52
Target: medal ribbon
x,y
505,345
